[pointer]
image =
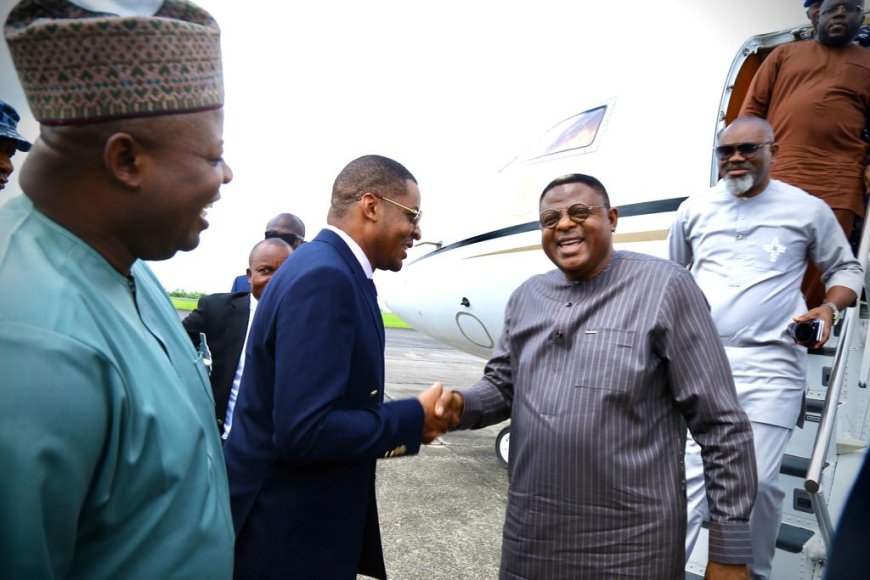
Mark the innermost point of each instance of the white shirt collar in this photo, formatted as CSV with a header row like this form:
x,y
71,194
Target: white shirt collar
x,y
356,249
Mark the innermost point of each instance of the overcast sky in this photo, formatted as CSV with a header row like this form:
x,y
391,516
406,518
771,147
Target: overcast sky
x,y
451,89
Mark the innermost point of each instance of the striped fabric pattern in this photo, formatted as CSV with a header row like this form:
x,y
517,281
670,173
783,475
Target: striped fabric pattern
x,y
600,379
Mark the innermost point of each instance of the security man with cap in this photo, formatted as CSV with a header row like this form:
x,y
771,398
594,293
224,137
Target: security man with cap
x,y
10,141
111,459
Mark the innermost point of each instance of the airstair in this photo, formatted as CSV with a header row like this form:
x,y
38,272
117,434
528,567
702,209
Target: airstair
x,y
823,458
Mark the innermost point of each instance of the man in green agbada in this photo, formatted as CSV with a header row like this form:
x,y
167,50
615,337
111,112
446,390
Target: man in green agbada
x,y
111,461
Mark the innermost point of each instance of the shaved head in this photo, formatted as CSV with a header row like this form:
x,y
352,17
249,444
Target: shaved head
x,y
748,120
286,223
268,245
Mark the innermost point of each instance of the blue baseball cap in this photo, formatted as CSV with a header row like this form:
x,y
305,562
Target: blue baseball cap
x,y
808,3
9,127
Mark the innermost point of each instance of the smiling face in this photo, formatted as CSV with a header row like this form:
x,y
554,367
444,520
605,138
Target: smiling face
x,y
185,171
397,230
580,251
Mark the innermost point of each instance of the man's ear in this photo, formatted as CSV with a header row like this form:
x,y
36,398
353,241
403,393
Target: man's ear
x,y
248,272
774,149
123,158
369,203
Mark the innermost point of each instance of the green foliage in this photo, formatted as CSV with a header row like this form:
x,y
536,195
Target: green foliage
x,y
181,293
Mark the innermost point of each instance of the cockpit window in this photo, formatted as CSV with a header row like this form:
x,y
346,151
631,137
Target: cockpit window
x,y
575,132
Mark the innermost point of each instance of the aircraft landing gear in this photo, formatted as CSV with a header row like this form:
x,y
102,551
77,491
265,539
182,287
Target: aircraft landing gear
x,y
502,445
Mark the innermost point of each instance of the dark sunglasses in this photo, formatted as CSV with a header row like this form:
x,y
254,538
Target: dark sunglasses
x,y
292,239
745,149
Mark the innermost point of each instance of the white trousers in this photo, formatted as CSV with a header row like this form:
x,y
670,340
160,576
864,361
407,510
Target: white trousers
x,y
770,442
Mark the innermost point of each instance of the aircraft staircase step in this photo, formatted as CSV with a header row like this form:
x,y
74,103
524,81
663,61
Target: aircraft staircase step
x,y
815,406
792,538
795,466
824,351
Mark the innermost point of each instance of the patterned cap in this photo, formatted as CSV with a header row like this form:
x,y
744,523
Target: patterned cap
x,y
9,127
78,66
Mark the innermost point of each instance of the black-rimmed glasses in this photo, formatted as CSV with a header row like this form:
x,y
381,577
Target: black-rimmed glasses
x,y
745,149
577,213
415,215
293,239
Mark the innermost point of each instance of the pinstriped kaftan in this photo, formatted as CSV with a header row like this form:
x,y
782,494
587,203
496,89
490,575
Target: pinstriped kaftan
x,y
600,378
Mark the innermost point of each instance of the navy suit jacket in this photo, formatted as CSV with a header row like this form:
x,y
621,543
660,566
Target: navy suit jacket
x,y
241,284
311,421
850,555
223,318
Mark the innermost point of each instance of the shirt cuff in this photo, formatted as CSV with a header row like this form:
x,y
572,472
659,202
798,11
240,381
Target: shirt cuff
x,y
471,409
730,542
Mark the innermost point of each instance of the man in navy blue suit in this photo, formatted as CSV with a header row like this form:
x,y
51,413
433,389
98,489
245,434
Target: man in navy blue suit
x,y
311,420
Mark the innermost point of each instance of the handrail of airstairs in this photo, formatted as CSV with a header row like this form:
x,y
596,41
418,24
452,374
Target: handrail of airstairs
x,y
832,399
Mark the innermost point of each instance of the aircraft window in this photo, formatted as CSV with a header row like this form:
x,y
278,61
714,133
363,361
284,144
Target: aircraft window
x,y
574,133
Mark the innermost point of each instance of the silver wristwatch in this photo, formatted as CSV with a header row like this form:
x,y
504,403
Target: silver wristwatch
x,y
834,310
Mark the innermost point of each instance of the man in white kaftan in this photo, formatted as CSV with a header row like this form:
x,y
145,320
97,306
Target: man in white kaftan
x,y
748,251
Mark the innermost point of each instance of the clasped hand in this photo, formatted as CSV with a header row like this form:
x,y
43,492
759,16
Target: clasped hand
x,y
441,411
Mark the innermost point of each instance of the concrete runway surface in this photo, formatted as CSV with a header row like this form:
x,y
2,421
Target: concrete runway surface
x,y
441,511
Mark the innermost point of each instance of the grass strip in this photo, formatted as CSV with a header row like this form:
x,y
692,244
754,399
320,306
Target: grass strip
x,y
390,319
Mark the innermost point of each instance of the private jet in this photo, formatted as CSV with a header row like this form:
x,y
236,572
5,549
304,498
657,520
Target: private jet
x,y
457,292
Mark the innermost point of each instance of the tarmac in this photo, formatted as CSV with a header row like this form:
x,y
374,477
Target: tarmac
x,y
441,511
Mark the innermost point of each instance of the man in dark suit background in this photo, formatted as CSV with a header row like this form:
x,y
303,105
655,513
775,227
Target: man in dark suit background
x,y
311,420
225,320
284,226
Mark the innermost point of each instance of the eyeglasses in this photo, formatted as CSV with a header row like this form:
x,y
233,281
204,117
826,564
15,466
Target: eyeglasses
x,y
293,239
847,8
577,213
414,215
745,149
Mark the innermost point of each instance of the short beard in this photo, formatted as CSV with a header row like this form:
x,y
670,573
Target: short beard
x,y
739,185
835,42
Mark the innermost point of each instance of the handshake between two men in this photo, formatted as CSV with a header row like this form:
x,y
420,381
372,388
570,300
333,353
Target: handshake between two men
x,y
442,410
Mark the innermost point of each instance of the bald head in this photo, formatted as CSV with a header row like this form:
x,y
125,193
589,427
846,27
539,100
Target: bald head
x,y
265,259
287,227
286,223
757,123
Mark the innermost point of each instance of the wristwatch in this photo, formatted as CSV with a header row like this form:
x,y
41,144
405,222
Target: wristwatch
x,y
834,310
